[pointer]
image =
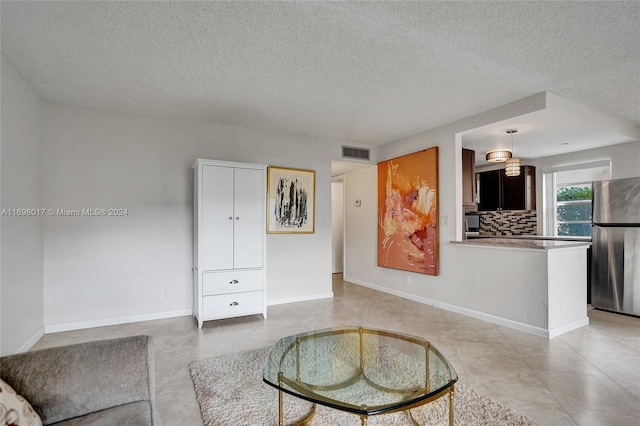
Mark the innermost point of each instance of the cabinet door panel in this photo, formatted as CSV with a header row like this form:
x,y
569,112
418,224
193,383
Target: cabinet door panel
x,y
216,251
490,192
468,179
513,191
248,218
519,192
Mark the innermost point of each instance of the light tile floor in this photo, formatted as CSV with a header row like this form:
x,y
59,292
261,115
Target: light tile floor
x,y
590,376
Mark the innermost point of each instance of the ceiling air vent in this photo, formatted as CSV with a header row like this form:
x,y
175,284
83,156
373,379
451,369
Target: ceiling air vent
x,y
356,153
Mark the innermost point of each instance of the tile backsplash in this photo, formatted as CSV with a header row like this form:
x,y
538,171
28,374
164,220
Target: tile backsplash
x,y
509,222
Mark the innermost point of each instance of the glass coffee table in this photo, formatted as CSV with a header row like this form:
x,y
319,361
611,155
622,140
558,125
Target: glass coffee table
x,y
363,371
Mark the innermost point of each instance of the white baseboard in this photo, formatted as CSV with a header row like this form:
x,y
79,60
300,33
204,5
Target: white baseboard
x,y
32,341
556,331
56,328
538,331
399,293
284,300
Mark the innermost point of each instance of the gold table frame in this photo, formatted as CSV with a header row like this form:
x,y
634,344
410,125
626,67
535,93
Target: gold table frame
x,y
298,388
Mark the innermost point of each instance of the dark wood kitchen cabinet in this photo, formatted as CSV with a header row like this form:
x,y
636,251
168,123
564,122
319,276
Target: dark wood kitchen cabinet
x,y
497,191
490,190
469,180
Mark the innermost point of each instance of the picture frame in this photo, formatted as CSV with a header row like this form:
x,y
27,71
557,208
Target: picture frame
x,y
291,195
408,212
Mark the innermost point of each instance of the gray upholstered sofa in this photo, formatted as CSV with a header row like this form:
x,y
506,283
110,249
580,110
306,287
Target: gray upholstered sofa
x,y
108,382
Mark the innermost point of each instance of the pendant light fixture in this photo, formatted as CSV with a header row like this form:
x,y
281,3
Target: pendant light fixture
x,y
512,165
498,155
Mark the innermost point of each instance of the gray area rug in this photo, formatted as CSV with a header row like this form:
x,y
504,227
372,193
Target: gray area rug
x,y
230,391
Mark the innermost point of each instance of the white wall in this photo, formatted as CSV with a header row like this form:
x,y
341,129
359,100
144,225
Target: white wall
x,y
105,269
337,226
454,287
567,292
625,162
21,247
460,283
359,236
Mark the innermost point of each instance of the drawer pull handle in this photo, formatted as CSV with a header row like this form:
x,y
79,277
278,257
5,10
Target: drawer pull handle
x,y
230,218
234,282
234,304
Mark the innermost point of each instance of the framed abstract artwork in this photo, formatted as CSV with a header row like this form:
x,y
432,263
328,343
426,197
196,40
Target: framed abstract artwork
x,y
291,201
408,212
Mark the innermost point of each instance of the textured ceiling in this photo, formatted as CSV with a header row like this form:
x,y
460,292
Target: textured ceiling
x,y
351,71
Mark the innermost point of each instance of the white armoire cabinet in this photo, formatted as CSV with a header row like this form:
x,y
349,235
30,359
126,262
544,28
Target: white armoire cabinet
x,y
229,244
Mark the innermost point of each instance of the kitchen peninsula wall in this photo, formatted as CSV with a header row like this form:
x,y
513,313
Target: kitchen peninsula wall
x,y
509,222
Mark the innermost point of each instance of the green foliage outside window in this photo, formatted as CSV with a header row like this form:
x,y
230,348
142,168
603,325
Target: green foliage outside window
x,y
574,213
574,230
574,193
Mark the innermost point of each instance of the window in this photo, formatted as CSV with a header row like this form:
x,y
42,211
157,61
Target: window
x,y
567,199
573,210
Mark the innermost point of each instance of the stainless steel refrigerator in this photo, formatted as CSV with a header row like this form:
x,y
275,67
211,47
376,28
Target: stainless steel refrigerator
x,y
615,254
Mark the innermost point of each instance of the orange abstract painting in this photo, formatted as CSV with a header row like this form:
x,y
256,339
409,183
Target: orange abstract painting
x,y
408,212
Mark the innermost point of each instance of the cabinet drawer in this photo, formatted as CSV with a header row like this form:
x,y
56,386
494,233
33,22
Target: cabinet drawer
x,y
231,282
231,305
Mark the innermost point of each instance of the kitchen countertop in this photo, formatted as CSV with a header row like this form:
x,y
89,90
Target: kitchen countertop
x,y
531,237
524,243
